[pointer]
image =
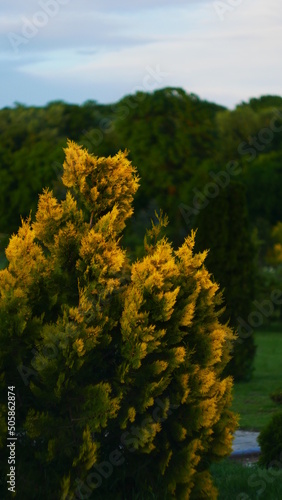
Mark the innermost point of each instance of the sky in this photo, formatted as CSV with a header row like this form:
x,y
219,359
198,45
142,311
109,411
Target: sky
x,y
75,50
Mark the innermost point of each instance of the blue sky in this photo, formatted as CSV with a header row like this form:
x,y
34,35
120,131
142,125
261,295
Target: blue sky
x,y
225,51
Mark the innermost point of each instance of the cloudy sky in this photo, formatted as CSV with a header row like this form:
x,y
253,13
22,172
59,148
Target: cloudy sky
x,y
74,50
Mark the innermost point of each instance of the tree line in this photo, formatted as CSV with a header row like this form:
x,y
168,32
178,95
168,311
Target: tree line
x,y
209,168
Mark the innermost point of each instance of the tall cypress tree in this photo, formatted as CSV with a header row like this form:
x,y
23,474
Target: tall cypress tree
x,y
223,228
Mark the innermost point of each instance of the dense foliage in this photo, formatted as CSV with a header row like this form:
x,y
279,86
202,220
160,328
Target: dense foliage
x,y
118,365
270,441
181,144
224,228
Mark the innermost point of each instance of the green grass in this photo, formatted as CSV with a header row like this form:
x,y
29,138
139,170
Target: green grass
x,y
237,482
252,399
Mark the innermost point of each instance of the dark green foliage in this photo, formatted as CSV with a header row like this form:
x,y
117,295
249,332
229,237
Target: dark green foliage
x,y
270,441
266,101
168,134
262,179
276,396
223,227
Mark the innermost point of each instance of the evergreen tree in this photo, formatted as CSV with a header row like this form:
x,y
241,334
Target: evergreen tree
x,y
114,362
223,228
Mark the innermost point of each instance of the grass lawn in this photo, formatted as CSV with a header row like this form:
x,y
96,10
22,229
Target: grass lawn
x,y
252,399
237,482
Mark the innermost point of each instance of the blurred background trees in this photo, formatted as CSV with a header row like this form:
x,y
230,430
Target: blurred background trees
x,y
176,139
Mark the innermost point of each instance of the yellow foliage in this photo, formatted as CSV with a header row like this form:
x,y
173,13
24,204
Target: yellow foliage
x,y
160,366
88,451
26,258
153,270
179,354
48,217
170,300
184,388
219,336
131,414
101,182
207,379
188,314
107,257
79,347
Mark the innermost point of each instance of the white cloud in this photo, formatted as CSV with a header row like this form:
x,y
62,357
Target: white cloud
x,y
95,45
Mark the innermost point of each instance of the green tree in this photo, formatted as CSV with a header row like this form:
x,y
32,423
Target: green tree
x,y
168,133
110,358
223,227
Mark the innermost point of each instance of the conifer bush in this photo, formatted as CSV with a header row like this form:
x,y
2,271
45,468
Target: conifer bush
x,y
270,441
276,396
118,365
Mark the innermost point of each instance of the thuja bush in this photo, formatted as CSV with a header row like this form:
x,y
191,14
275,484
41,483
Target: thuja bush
x,y
117,364
270,441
